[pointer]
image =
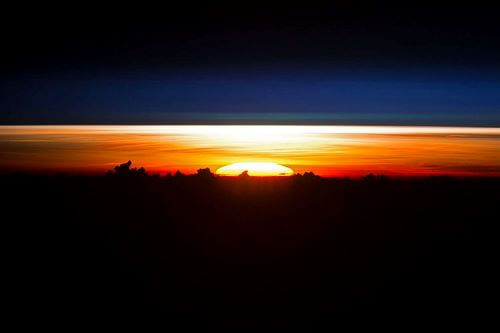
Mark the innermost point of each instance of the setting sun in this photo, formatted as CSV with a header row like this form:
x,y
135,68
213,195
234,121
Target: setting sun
x,y
255,169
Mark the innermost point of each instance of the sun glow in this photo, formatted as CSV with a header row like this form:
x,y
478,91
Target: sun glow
x,y
325,150
255,169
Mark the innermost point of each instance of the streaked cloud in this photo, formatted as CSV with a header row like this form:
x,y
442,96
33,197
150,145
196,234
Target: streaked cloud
x,y
326,150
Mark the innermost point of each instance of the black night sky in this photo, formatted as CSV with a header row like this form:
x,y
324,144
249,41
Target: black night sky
x,y
235,64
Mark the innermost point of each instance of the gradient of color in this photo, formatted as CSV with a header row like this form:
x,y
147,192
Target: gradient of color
x,y
325,150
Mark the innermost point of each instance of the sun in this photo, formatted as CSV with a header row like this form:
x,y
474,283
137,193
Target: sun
x,y
262,169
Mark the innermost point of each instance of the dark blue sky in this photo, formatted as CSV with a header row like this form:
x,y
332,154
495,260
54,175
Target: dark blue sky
x,y
238,97
253,65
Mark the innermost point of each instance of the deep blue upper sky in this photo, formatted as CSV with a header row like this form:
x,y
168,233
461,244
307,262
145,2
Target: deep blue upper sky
x,y
253,65
284,97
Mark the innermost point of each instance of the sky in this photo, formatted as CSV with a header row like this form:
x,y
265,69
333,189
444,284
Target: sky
x,y
330,151
255,64
273,83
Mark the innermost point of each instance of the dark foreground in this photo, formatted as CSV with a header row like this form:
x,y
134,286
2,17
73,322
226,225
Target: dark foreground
x,y
195,250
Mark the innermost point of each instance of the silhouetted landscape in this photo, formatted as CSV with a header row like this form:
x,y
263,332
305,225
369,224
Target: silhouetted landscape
x,y
200,248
